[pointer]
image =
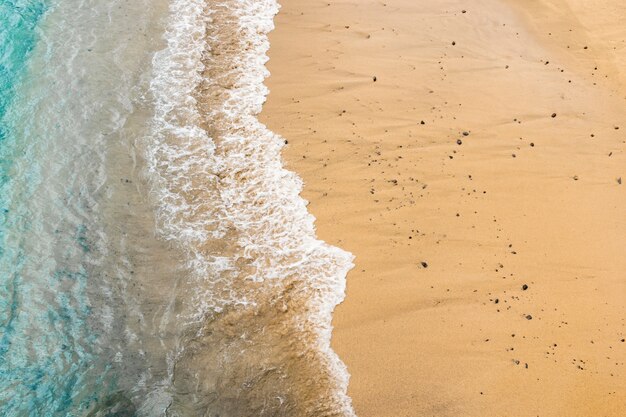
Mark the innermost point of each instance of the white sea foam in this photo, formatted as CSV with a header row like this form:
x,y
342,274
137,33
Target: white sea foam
x,y
235,191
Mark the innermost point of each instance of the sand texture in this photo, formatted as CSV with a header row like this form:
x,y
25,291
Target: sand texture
x,y
472,156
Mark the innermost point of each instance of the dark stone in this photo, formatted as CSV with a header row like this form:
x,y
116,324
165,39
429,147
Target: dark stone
x,y
529,317
459,142
524,287
553,115
424,264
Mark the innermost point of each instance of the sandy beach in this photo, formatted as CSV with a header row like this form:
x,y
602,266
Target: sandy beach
x,y
472,156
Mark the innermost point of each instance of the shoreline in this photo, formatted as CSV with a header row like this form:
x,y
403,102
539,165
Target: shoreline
x,y
453,184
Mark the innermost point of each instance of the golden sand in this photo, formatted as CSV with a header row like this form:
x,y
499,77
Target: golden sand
x,y
424,132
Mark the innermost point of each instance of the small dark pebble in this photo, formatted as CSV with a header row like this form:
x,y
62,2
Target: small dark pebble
x,y
466,133
529,317
374,78
453,43
524,287
459,142
422,122
424,264
496,301
286,142
532,144
553,115
619,180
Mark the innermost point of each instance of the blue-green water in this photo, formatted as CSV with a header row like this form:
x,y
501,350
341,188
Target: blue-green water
x,y
29,380
56,357
155,257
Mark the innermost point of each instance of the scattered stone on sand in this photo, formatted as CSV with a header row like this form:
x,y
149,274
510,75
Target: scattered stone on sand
x,y
374,78
524,287
529,317
424,264
459,142
553,115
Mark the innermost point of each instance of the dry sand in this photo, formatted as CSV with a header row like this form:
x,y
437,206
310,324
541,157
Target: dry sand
x,y
524,199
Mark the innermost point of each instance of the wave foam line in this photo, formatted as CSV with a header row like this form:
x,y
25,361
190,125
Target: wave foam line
x,y
220,189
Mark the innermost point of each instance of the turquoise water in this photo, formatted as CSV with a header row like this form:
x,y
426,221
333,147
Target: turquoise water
x,y
28,380
18,24
55,357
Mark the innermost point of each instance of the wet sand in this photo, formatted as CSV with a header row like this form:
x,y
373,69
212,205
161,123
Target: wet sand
x,y
472,156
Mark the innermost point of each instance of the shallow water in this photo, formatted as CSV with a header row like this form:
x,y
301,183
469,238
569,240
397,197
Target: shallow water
x,y
155,257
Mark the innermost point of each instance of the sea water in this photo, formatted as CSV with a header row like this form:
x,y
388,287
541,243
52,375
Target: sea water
x,y
155,256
